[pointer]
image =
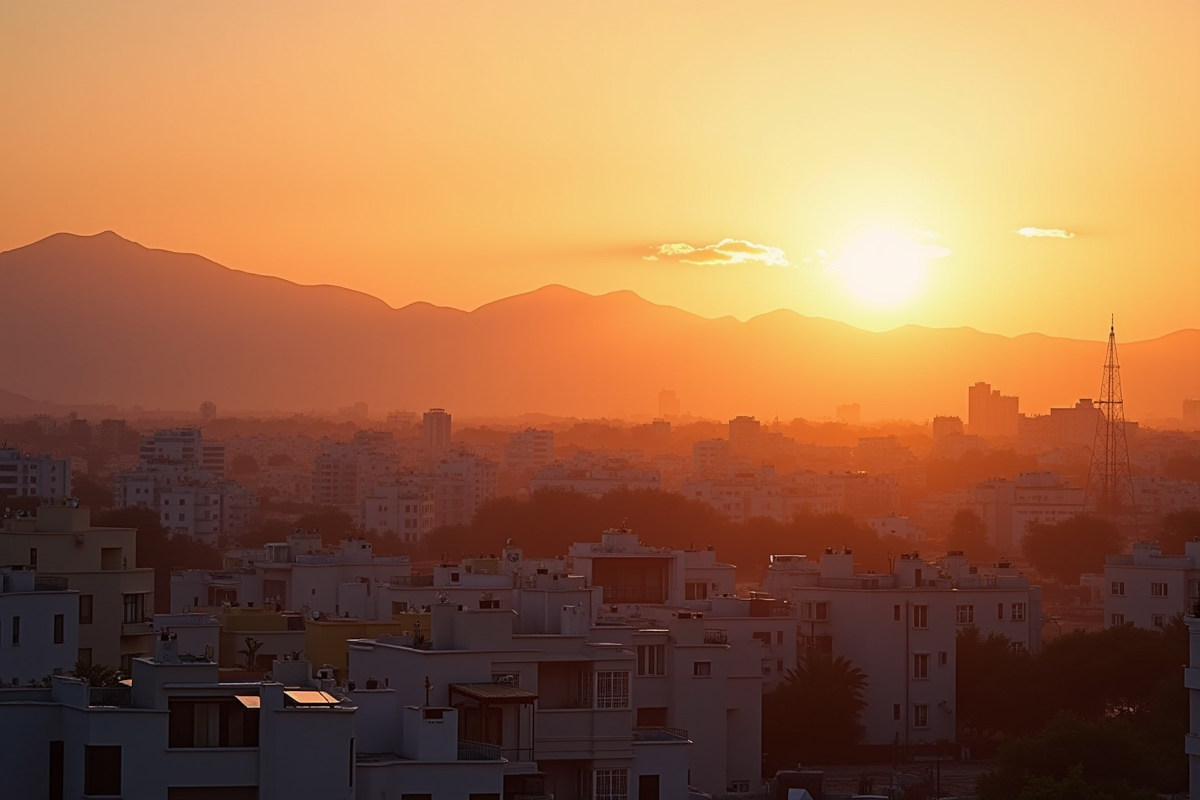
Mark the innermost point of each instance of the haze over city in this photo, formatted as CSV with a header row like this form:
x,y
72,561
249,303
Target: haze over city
x,y
594,401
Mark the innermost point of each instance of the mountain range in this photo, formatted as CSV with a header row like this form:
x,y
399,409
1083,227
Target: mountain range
x,y
100,319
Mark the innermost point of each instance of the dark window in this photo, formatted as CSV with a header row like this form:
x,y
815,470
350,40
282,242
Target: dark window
x,y
16,630
56,770
648,787
896,711
85,609
102,769
352,762
33,556
896,613
58,628
211,722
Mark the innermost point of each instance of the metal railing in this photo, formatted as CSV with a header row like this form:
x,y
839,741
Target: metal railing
x,y
112,696
478,751
658,733
411,580
49,583
716,636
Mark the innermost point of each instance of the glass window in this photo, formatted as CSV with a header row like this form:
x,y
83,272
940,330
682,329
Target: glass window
x,y
1117,619
1018,612
102,770
920,666
701,669
1117,588
612,689
58,628
920,616
1158,590
965,615
920,716
651,659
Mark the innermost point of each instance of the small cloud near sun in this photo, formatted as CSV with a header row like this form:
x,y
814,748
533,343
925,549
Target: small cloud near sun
x,y
1050,233
727,251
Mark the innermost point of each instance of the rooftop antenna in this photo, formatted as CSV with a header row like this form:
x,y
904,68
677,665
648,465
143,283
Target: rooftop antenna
x,y
428,687
1109,490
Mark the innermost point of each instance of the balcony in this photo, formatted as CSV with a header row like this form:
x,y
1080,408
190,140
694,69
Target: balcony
x,y
110,696
716,636
407,581
49,583
143,628
584,733
659,733
478,751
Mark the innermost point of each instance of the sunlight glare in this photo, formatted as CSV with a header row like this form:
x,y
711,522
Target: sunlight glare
x,y
884,266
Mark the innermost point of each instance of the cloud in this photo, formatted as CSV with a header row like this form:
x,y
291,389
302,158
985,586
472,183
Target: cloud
x,y
1051,233
727,251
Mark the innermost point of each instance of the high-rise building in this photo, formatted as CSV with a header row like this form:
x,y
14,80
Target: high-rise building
x,y
850,414
991,413
668,403
529,449
208,411
436,432
743,434
42,475
946,426
1191,411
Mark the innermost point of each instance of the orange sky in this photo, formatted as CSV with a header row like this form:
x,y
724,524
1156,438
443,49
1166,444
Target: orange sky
x,y
458,153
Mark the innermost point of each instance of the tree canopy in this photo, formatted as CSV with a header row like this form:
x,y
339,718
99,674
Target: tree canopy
x,y
813,715
1078,544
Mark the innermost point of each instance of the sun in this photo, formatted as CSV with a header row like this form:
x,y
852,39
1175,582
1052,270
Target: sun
x,y
885,266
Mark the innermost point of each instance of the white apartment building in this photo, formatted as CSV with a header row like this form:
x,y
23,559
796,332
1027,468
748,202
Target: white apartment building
x,y
299,574
744,495
1009,507
116,599
40,475
176,731
711,457
461,484
39,626
594,481
1157,497
404,509
529,449
182,446
1146,588
558,708
900,629
902,527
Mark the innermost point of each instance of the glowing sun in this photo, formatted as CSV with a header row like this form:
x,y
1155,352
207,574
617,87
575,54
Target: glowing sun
x,y
885,266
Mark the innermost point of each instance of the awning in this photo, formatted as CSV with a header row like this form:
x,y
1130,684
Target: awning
x,y
310,697
249,700
493,693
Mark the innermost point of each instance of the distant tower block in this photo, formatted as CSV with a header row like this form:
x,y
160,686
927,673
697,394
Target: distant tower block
x,y
850,414
990,413
208,411
1191,412
1110,481
436,432
668,403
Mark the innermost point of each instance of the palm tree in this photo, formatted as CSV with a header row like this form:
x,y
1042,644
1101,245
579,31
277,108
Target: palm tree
x,y
813,716
250,651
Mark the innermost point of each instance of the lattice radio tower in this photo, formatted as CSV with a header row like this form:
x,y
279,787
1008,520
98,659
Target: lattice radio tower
x,y
1110,481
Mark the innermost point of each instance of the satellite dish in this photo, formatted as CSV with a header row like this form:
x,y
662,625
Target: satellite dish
x,y
316,615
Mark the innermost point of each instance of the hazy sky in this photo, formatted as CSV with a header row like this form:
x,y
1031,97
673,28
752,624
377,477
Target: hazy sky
x,y
871,162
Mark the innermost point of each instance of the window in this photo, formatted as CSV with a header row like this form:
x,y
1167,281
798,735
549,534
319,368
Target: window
x,y
762,636
58,628
399,607
134,608
921,666
1016,647
701,669
1158,620
16,630
1018,612
33,556
1158,590
920,616
943,658
612,689
57,772
965,615
102,770
920,716
999,610
896,613
1117,588
648,787
695,591
651,659
778,637
604,784
896,712
211,722
1117,619
822,611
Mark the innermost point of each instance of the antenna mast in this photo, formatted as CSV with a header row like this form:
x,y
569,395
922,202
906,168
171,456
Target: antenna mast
x,y
1110,481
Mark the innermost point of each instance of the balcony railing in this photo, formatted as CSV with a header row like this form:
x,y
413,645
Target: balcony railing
x,y
111,696
478,751
403,581
716,636
49,583
658,733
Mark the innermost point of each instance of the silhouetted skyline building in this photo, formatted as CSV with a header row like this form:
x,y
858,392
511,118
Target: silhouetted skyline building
x,y
436,432
990,413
